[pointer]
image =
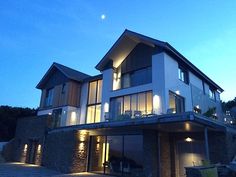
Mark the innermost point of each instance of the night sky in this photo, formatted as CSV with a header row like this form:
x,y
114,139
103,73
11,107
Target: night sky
x,y
36,33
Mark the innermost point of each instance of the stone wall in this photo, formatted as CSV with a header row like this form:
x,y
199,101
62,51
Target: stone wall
x,y
165,155
150,148
66,151
29,128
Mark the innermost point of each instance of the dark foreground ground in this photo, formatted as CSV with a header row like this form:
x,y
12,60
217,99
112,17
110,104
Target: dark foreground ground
x,y
26,170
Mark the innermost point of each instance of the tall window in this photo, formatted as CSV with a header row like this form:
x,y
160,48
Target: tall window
x,y
176,103
131,106
49,97
212,94
183,75
94,102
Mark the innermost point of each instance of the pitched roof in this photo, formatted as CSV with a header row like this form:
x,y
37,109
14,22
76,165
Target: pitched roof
x,y
130,39
68,72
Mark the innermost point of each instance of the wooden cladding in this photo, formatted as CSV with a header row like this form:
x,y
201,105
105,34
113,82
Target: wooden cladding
x,y
67,94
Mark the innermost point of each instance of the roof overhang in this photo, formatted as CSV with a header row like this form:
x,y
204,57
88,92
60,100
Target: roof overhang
x,y
186,122
129,39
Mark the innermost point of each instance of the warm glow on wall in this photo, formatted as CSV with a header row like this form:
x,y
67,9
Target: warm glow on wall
x,y
73,118
117,79
39,148
156,104
25,147
106,107
187,126
81,147
82,135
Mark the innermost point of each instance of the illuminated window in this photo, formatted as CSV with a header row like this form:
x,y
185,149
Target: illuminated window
x,y
176,103
94,102
131,106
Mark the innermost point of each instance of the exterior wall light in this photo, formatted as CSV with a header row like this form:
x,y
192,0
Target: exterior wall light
x,y
177,92
73,118
188,139
39,148
156,104
106,107
25,147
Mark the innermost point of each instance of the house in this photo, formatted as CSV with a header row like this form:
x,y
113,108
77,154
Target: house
x,y
142,116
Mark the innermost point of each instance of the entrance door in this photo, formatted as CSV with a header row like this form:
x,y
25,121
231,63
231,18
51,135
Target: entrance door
x,y
189,154
33,146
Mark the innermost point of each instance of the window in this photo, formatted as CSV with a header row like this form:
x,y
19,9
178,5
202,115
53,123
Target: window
x,y
131,106
63,89
94,102
183,75
135,78
176,103
120,155
212,94
49,97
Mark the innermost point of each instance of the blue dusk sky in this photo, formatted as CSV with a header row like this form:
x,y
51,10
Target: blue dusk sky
x,y
76,33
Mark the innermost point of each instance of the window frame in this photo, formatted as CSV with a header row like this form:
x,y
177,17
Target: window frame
x,y
132,73
49,94
182,70
97,103
136,95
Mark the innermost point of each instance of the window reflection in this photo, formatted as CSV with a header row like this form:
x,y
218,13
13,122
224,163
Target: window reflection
x,y
131,106
116,155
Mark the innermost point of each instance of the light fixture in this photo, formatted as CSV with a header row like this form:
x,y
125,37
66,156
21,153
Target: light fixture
x,y
39,148
106,107
25,147
188,139
177,92
156,104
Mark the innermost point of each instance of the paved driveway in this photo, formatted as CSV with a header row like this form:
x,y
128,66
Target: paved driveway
x,y
26,170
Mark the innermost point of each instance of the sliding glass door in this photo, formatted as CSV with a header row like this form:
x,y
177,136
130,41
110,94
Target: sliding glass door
x,y
117,155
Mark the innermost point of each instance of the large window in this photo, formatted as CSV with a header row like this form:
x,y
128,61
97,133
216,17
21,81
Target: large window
x,y
183,75
131,106
49,97
94,102
135,78
176,103
116,155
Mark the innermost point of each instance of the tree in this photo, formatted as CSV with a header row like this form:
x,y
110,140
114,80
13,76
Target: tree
x,y
8,119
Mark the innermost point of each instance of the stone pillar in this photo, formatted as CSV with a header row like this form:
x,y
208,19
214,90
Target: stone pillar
x,y
151,154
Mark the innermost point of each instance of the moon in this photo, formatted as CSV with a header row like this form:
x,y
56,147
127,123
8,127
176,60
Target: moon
x,y
103,17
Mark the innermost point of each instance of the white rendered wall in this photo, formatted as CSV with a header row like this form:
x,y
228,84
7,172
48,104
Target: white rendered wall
x,y
107,84
194,80
158,84
83,103
172,83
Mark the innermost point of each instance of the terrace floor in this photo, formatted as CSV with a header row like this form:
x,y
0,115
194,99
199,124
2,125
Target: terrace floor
x,y
27,170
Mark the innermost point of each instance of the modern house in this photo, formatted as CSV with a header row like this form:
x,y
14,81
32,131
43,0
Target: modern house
x,y
150,113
